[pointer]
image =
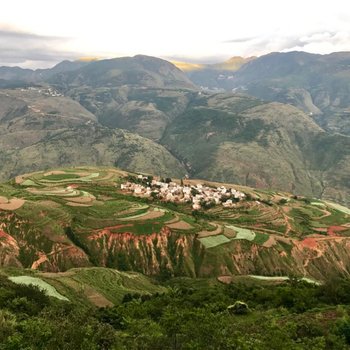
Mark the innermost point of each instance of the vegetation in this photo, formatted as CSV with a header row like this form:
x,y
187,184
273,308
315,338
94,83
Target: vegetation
x,y
189,314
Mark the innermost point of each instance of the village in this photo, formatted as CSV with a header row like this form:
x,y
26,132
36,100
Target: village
x,y
198,195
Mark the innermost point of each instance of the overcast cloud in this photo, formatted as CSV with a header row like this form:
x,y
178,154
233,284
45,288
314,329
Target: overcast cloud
x,y
39,33
31,50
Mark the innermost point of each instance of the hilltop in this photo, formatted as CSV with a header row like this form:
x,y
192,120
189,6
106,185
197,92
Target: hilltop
x,y
82,217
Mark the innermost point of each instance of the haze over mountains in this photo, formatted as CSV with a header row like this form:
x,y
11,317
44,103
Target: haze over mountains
x,y
317,84
73,114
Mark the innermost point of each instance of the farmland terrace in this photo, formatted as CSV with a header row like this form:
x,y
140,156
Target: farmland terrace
x,y
94,216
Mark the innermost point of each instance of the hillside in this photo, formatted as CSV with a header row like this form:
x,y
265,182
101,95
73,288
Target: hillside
x,y
317,84
40,128
275,145
236,138
241,139
81,217
245,314
95,286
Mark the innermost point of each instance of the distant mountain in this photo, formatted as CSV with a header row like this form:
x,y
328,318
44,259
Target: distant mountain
x,y
213,76
240,139
317,84
138,70
217,136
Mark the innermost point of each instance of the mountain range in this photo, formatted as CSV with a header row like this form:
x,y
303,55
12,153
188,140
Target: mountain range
x,y
144,114
316,84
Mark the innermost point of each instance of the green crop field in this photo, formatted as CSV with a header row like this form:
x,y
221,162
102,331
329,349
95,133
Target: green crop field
x,y
60,177
213,241
242,233
49,290
339,207
260,238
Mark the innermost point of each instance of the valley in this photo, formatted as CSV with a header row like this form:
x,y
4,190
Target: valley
x,y
174,175
143,114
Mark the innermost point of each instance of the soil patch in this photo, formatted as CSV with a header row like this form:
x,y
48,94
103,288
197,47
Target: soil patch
x,y
12,204
225,279
180,225
154,214
96,298
81,200
309,243
3,200
217,231
332,230
270,242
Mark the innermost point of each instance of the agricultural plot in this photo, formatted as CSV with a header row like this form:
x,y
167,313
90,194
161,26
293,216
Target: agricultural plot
x,y
84,208
213,241
29,183
147,215
11,203
47,288
243,233
101,285
68,176
282,278
339,207
97,285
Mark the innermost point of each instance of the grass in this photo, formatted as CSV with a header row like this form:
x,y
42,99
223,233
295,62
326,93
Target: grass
x,y
213,241
260,238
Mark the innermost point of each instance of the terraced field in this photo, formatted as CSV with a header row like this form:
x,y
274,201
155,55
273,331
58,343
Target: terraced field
x,y
65,218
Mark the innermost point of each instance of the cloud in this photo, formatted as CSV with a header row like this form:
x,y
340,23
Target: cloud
x,y
32,50
320,41
240,40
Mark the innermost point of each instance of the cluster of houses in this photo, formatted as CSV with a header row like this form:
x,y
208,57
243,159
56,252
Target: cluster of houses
x,y
200,196
44,91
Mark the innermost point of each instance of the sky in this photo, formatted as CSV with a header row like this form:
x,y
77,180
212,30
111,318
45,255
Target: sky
x,y
39,34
